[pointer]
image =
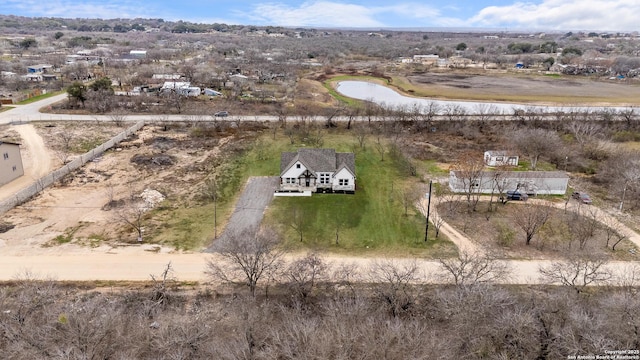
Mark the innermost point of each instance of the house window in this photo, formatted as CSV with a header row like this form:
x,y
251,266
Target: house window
x,y
297,166
6,156
324,178
15,168
499,158
290,180
343,182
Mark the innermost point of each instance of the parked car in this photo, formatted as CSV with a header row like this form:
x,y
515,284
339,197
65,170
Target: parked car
x,y
582,197
515,195
221,114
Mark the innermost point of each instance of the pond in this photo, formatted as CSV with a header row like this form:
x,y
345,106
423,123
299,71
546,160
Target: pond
x,y
387,97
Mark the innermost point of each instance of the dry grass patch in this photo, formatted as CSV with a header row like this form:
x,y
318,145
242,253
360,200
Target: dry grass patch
x,y
562,233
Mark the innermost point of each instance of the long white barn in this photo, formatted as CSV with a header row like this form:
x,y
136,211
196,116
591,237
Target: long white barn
x,y
530,182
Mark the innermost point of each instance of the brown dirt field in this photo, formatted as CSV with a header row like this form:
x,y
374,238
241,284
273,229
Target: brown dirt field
x,y
569,90
74,211
510,86
549,243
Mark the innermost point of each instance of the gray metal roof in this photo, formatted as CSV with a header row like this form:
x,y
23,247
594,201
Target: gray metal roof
x,y
318,160
500,153
525,174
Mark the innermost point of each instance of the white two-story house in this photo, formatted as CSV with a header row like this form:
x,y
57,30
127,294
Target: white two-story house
x,y
317,170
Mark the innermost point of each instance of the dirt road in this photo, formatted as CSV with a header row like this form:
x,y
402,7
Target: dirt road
x,y
35,158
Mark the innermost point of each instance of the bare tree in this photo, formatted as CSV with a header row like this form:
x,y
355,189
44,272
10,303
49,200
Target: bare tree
x,y
352,113
498,184
613,231
132,214
627,277
298,221
577,272
455,112
469,170
246,257
304,274
65,139
408,197
473,268
361,132
536,142
629,116
584,132
483,112
380,147
118,117
448,206
160,294
530,218
340,220
392,284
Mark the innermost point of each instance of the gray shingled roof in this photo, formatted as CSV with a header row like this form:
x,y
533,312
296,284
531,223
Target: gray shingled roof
x,y
347,160
318,160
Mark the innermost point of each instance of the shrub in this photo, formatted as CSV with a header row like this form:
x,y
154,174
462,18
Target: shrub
x,y
506,235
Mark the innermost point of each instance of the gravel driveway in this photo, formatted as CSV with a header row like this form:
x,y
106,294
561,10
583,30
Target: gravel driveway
x,y
257,194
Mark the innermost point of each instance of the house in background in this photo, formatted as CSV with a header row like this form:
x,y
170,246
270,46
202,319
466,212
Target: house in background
x,y
317,170
529,182
138,54
10,163
183,88
39,69
500,158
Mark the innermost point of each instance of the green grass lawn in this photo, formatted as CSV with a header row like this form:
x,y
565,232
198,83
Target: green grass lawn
x,y
372,221
39,97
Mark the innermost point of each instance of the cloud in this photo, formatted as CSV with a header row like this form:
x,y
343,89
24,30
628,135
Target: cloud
x,y
563,15
319,13
337,14
76,9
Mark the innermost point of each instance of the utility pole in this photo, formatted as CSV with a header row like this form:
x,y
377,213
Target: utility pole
x,y
426,228
624,192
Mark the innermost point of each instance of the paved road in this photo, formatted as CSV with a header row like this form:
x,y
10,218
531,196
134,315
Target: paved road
x,y
256,196
31,112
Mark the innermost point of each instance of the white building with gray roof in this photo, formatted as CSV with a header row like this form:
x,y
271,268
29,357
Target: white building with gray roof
x,y
317,170
529,182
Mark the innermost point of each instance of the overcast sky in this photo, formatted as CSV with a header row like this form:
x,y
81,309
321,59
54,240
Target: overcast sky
x,y
612,15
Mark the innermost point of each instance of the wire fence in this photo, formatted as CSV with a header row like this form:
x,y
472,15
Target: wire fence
x,y
42,183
